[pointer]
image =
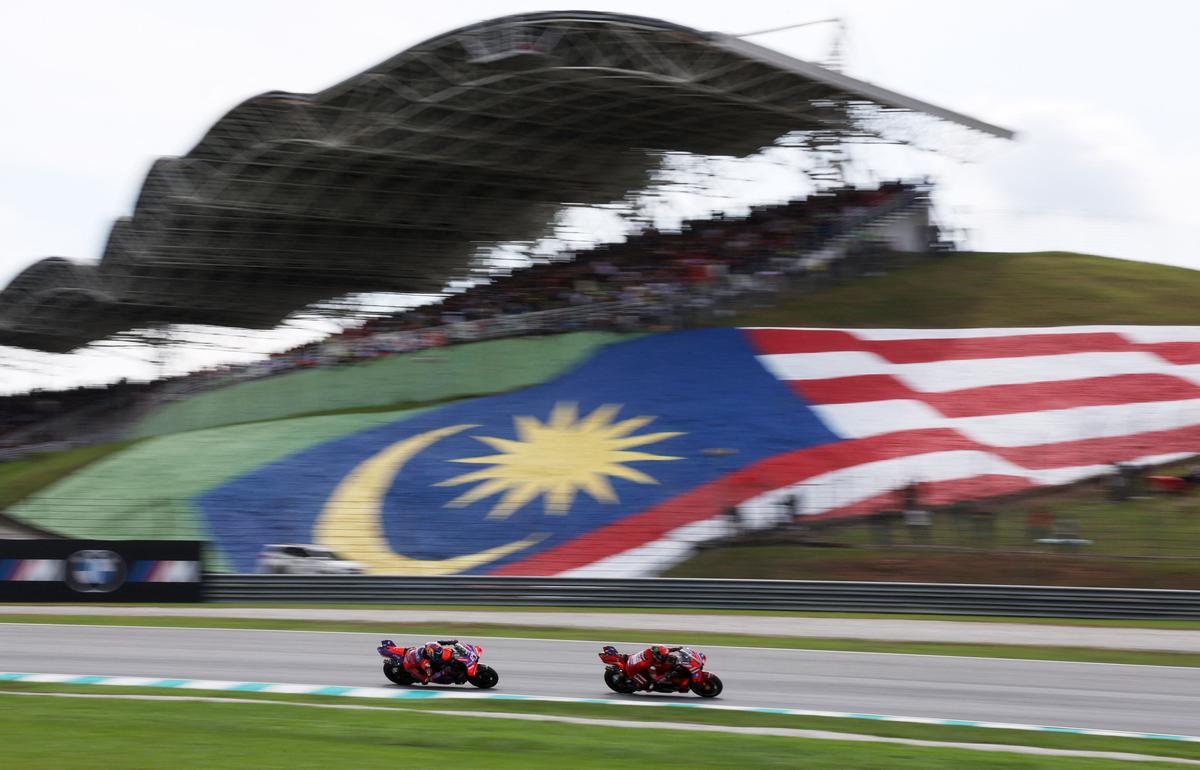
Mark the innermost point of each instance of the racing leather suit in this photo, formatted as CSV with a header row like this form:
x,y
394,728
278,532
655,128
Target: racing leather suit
x,y
643,670
419,667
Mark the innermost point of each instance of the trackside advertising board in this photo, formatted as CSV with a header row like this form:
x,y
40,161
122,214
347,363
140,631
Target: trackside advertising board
x,y
100,571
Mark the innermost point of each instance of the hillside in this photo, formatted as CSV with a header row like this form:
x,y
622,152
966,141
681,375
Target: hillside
x,y
1147,541
185,460
991,289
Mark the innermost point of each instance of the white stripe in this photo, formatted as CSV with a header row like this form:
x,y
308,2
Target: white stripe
x,y
648,559
178,572
39,570
1150,335
965,334
1135,334
207,684
1052,426
947,376
296,689
131,681
50,677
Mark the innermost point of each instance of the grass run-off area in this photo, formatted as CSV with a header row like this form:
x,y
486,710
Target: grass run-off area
x,y
152,734
618,635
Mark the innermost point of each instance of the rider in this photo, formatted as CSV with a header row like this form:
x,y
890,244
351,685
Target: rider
x,y
422,662
648,666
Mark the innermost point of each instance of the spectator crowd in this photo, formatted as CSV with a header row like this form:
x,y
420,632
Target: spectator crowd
x,y
654,280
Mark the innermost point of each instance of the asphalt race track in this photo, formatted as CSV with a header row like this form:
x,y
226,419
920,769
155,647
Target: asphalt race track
x,y
1097,696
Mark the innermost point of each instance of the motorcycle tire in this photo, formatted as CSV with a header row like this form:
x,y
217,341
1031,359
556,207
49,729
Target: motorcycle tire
x,y
396,674
709,688
485,677
617,682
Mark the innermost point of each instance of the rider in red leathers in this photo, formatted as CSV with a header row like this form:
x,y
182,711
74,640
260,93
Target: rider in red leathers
x,y
646,667
422,662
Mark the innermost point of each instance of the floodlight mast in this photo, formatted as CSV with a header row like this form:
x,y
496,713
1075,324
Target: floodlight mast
x,y
836,49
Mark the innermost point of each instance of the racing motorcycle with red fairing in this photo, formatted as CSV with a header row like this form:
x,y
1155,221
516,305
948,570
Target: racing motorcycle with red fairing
x,y
460,666
684,671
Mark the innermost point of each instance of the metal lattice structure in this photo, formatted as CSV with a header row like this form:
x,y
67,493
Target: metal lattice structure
x,y
395,179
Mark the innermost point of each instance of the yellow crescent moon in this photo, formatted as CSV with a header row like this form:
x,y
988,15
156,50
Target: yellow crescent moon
x,y
350,522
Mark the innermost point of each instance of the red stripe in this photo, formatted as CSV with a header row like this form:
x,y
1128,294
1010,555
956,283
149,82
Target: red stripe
x,y
774,341
783,470
1101,450
1182,353
1003,399
927,350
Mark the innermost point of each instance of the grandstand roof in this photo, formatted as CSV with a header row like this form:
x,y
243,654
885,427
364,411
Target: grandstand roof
x,y
394,178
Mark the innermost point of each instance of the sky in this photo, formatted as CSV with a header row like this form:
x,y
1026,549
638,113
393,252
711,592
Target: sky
x,y
1106,160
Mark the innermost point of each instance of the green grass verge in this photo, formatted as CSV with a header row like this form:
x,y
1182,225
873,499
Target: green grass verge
x,y
147,734
700,716
698,638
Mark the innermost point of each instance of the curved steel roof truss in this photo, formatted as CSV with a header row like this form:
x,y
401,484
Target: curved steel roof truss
x,y
394,179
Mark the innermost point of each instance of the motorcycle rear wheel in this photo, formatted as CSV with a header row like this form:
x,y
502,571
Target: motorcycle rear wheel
x,y
711,687
396,674
617,682
485,677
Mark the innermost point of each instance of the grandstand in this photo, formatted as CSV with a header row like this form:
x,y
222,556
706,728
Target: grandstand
x,y
653,281
400,180
394,179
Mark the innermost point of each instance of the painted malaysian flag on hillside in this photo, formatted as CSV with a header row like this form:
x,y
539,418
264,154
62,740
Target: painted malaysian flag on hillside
x,y
621,465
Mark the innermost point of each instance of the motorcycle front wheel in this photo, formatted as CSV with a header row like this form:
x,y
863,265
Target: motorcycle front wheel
x,y
617,682
709,688
485,677
396,674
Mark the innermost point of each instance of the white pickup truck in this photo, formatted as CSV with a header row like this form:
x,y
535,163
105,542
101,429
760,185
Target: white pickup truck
x,y
301,559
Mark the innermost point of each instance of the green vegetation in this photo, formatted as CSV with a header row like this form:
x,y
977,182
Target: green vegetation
x,y
986,289
619,635
138,734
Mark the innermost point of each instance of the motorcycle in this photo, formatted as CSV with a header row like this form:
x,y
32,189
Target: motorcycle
x,y
687,674
462,667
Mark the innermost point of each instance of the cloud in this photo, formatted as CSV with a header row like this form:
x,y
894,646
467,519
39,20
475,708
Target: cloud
x,y
1076,160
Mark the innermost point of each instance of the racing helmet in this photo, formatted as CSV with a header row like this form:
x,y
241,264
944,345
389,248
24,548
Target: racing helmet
x,y
433,651
659,652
